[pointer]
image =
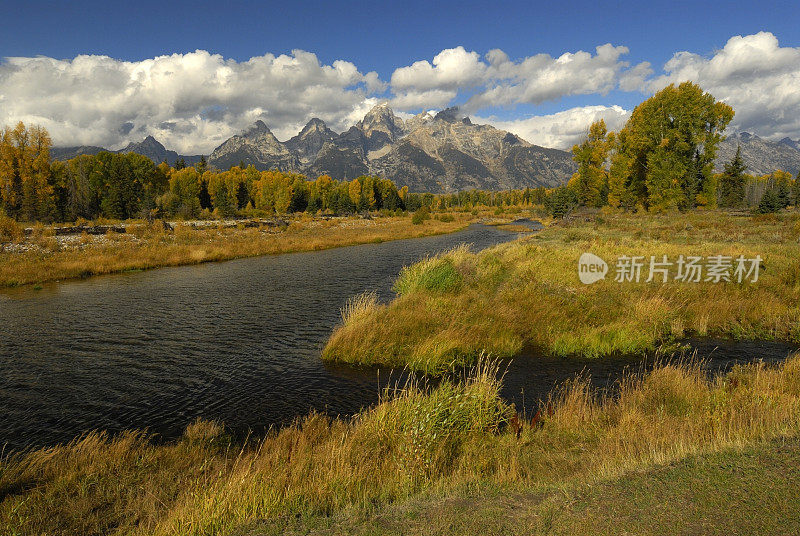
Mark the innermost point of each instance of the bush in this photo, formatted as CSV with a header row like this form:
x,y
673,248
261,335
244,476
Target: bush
x,y
10,230
420,216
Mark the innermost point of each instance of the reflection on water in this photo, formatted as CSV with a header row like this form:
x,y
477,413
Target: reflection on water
x,y
237,341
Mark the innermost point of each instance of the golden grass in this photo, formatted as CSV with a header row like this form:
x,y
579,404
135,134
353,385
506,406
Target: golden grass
x,y
527,293
450,439
147,247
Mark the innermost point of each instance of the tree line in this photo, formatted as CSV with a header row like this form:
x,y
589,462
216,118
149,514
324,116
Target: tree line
x,y
33,187
120,186
663,158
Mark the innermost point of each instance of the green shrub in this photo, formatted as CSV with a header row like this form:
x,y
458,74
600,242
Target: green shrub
x,y
420,216
425,429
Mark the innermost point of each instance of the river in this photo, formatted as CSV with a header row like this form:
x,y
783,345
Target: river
x,y
236,341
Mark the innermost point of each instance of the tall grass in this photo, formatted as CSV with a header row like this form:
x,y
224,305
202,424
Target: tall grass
x,y
445,439
452,307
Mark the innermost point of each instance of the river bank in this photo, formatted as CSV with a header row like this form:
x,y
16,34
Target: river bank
x,y
44,255
452,307
458,445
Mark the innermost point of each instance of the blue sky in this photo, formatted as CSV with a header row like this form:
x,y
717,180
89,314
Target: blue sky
x,y
385,37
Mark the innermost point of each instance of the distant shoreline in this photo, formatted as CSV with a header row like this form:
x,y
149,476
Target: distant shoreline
x,y
46,256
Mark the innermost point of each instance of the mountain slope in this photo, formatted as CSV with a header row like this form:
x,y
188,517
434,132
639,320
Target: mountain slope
x,y
149,147
257,146
760,156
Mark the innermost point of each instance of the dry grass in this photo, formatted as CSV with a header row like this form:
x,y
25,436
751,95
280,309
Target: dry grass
x,y
453,307
448,440
147,247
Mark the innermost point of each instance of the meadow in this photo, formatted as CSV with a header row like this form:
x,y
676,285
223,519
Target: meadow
x,y
673,451
42,256
526,294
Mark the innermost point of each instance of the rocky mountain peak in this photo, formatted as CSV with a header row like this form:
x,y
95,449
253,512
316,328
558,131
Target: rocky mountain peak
x,y
381,118
451,115
310,140
314,125
148,144
259,128
789,142
256,145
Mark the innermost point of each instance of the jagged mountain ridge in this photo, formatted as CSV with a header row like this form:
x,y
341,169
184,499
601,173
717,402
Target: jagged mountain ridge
x,y
760,156
442,153
149,147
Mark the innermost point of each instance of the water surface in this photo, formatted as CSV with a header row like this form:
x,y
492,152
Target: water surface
x,y
238,341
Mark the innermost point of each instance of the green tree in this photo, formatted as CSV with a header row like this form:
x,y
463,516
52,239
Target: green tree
x,y
678,131
732,182
770,202
591,181
561,201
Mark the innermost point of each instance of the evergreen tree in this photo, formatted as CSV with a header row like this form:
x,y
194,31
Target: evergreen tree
x,y
769,202
732,182
202,165
561,201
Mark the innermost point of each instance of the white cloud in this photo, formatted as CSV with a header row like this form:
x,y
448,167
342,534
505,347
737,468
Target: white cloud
x,y
193,102
752,73
562,129
190,102
499,81
453,68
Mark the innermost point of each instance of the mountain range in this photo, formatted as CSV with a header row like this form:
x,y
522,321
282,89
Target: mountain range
x,y
444,152
759,155
149,147
441,153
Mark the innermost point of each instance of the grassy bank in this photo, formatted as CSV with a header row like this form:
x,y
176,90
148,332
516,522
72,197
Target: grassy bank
x,y
45,257
417,450
738,491
452,307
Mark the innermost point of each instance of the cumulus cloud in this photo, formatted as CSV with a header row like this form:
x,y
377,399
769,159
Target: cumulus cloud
x,y
561,130
191,102
752,73
500,81
452,68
